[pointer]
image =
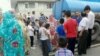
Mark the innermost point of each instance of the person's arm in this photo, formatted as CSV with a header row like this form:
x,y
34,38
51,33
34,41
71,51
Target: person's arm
x,y
65,27
47,33
83,25
72,54
32,28
91,18
56,54
81,32
77,27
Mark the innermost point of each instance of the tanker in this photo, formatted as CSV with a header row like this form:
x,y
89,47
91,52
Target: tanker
x,y
79,5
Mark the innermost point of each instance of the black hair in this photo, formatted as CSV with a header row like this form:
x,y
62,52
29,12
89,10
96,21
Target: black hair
x,y
83,14
28,18
28,12
28,22
40,23
47,25
61,21
68,13
63,11
62,42
87,8
33,12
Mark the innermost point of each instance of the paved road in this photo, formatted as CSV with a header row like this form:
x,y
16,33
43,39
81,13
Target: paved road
x,y
91,52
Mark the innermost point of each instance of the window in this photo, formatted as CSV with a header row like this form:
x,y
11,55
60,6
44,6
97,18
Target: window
x,y
31,5
26,5
49,5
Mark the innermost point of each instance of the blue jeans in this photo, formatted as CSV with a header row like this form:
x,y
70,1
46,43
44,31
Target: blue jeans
x,y
49,46
44,44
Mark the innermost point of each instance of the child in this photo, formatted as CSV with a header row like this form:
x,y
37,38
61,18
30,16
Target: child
x,y
47,26
60,29
63,51
44,39
30,31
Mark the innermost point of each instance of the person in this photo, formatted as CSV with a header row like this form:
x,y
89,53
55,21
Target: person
x,y
36,27
70,27
63,51
12,33
32,18
31,34
25,33
91,17
25,19
53,24
44,39
77,17
1,39
60,29
42,18
28,17
83,33
63,13
47,26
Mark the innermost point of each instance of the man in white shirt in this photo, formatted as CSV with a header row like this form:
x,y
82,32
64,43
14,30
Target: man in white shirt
x,y
83,33
91,17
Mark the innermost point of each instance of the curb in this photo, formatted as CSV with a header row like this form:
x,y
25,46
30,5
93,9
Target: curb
x,y
96,45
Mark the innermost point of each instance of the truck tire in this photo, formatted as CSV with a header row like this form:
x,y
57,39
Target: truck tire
x,y
96,31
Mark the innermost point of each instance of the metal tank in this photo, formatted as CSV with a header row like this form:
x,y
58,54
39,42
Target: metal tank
x,y
79,5
75,5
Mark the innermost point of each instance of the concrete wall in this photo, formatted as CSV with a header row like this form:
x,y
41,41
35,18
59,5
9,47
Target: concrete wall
x,y
38,7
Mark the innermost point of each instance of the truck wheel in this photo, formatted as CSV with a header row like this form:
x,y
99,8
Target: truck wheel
x,y
96,31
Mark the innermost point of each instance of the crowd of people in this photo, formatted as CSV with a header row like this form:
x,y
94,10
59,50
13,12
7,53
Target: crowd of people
x,y
53,35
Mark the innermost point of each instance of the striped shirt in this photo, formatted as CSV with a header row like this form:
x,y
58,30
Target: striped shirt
x,y
63,52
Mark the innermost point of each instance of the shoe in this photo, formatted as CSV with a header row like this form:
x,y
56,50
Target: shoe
x,y
33,48
79,54
84,53
88,47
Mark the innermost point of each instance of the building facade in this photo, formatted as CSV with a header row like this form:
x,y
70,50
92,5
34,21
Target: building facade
x,y
39,6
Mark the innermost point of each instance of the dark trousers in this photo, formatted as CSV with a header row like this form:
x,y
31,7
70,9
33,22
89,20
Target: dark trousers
x,y
32,41
45,50
89,38
71,44
82,43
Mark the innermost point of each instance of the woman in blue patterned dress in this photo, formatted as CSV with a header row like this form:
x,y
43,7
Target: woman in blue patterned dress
x,y
12,34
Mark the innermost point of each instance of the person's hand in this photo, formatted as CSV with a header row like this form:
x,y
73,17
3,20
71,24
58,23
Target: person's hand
x,y
80,34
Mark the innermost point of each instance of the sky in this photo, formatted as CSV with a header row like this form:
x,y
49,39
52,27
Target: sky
x,y
5,5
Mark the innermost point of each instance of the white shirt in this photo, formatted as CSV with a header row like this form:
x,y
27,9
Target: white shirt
x,y
43,34
30,30
91,17
63,52
33,18
84,23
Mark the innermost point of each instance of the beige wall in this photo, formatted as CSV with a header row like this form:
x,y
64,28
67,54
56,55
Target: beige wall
x,y
39,8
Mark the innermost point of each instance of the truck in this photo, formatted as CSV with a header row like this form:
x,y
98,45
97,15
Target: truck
x,y
79,5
